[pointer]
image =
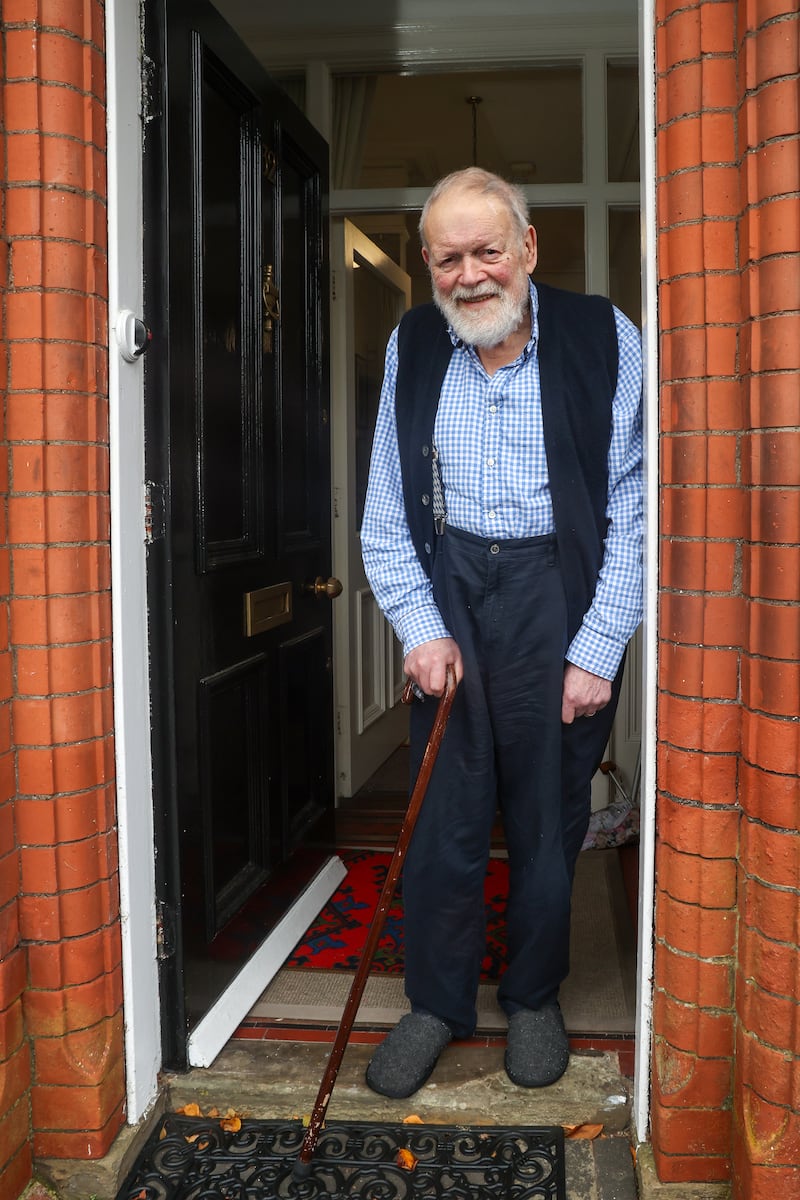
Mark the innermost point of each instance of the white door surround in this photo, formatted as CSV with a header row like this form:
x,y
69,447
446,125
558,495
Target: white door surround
x,y
361,48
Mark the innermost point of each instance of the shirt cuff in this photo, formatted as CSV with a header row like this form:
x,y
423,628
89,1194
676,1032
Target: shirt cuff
x,y
596,652
423,624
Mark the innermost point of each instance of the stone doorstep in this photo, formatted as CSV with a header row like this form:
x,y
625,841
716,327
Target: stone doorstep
x,y
100,1178
280,1080
651,1188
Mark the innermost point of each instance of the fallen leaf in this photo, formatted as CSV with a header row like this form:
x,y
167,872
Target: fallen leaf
x,y
583,1131
406,1160
189,1110
163,1133
413,1119
213,1112
231,1124
191,1138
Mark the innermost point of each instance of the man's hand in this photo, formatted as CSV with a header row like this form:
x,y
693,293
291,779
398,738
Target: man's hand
x,y
583,694
427,665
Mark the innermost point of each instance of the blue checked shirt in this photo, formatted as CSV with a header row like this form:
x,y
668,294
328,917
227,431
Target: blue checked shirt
x,y
489,438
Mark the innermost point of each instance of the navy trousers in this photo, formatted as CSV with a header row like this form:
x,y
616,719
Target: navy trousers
x,y
504,746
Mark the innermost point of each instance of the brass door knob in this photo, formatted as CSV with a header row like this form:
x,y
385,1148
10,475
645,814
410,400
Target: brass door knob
x,y
324,587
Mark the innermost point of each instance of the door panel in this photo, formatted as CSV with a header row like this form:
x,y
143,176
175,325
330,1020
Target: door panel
x,y
370,295
238,439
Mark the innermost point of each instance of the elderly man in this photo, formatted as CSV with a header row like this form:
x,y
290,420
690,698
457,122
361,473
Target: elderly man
x,y
503,537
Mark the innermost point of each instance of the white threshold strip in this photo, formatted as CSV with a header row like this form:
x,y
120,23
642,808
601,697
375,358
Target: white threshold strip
x,y
213,1031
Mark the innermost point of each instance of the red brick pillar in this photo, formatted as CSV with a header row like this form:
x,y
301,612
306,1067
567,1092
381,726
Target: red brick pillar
x,y
701,621
15,1068
767,1064
58,536
726,1051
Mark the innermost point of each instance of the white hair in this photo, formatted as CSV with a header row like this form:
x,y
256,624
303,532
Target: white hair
x,y
484,183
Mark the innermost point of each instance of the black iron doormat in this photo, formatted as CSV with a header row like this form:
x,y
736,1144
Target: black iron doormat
x,y
192,1158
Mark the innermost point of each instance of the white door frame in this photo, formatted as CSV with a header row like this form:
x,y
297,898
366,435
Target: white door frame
x,y
129,568
645,949
129,599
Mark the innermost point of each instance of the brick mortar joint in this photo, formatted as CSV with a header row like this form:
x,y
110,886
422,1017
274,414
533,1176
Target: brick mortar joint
x,y
44,185
709,1010
56,31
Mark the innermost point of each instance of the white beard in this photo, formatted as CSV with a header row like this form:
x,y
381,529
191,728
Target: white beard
x,y
481,327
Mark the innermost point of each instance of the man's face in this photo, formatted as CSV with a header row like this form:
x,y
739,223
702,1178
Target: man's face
x,y
479,266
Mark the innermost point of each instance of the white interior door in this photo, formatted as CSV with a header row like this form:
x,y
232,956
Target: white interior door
x,y
370,294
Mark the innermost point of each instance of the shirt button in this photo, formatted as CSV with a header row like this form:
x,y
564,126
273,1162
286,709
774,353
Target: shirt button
x,y
492,514
490,462
492,408
494,548
425,498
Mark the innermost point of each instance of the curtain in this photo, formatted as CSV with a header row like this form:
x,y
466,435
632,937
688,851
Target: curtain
x,y
352,102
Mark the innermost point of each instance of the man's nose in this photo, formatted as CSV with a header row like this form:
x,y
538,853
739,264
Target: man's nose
x,y
472,270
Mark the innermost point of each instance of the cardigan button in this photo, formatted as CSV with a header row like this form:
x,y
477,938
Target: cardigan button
x,y
425,498
427,547
426,451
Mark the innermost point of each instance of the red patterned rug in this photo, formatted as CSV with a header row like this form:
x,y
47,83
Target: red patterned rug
x,y
336,938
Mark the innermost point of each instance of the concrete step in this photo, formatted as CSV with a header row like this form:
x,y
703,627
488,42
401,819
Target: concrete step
x,y
280,1079
469,1086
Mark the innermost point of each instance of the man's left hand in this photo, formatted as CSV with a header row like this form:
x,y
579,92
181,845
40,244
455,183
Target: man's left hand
x,y
583,694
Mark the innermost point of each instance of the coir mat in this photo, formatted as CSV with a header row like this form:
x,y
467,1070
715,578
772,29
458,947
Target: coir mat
x,y
196,1159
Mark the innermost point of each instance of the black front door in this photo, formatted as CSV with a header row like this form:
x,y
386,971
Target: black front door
x,y
237,455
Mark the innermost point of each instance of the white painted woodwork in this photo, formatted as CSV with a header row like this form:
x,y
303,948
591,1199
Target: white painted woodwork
x,y
368,664
214,1029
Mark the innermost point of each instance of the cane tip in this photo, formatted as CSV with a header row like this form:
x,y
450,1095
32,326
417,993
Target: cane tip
x,y
301,1170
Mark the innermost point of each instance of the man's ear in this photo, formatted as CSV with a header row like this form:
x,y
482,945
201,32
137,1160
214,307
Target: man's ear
x,y
531,244
426,258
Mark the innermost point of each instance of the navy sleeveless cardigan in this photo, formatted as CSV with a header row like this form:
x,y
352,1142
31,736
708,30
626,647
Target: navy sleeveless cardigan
x,y
578,363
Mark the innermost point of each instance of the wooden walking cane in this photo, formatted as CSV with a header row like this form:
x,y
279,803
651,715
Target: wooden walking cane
x,y
302,1166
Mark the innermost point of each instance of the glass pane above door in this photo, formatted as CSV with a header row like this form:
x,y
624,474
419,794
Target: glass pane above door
x,y
525,125
622,116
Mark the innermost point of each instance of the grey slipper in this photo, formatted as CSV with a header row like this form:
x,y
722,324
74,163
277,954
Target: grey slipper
x,y
538,1048
408,1054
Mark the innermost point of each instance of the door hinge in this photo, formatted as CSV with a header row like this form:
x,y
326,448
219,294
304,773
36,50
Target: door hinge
x,y
165,941
155,512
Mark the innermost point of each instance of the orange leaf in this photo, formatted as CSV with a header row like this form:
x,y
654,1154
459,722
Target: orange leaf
x,y
189,1110
406,1160
213,1112
231,1124
583,1131
412,1119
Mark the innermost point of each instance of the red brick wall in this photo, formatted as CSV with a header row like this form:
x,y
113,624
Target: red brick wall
x,y
55,692
726,1066
767,1066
